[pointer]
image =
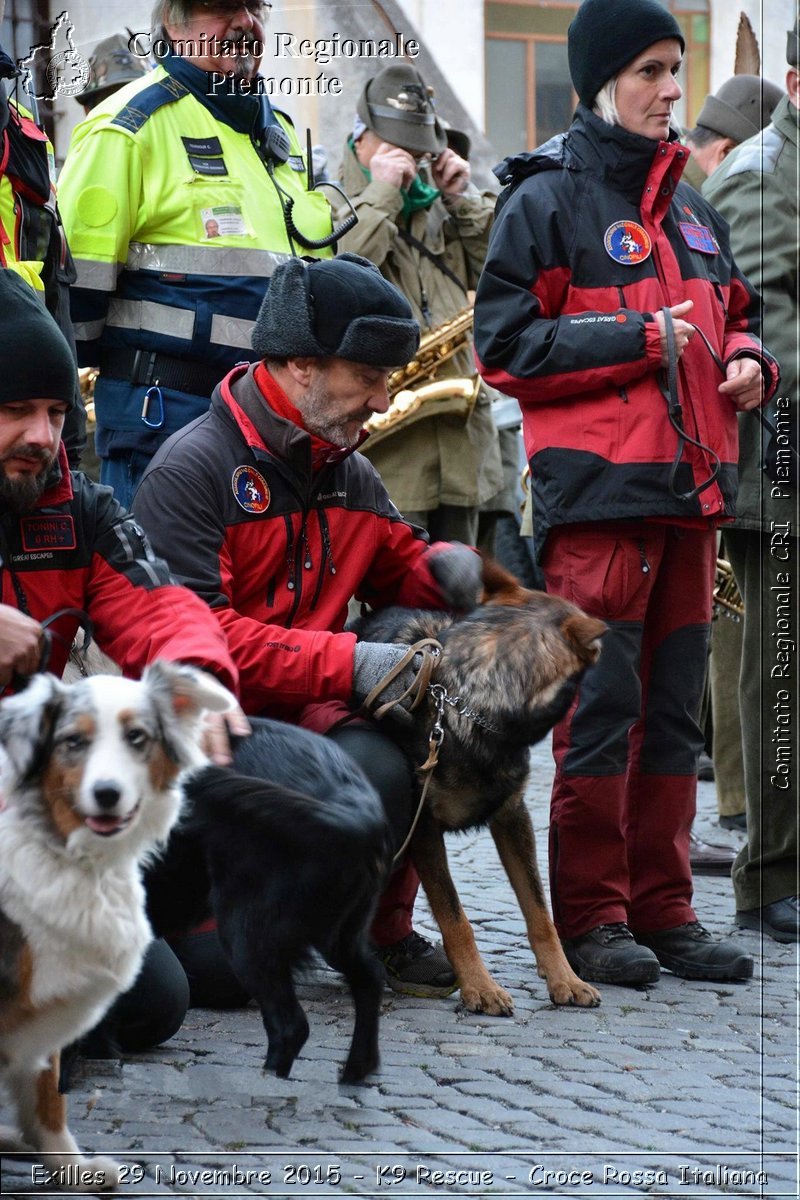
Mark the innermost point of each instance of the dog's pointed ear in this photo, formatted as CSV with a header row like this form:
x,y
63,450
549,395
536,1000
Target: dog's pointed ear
x,y
26,723
585,634
186,691
500,586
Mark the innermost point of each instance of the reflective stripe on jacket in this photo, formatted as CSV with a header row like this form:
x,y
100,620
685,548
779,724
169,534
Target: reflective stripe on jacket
x,y
175,221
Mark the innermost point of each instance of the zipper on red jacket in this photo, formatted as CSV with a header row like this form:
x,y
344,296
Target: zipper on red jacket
x,y
683,388
720,298
623,391
294,583
327,556
643,557
307,561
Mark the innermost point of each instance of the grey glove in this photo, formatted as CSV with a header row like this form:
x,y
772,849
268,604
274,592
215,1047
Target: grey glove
x,y
372,660
459,574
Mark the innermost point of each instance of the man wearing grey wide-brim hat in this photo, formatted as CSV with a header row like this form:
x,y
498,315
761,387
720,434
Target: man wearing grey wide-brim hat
x,y
265,508
755,189
738,110
426,227
111,66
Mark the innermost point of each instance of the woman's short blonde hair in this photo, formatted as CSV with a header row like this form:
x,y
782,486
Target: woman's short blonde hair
x,y
605,105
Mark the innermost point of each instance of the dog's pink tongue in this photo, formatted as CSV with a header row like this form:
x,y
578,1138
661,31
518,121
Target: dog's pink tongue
x,y
104,824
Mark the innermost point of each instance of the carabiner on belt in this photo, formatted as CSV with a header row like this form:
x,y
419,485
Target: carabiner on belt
x,y
153,395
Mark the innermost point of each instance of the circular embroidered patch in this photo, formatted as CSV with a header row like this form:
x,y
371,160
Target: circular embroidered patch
x,y
250,489
627,243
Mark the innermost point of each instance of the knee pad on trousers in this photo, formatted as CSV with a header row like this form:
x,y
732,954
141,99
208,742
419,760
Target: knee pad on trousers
x,y
609,702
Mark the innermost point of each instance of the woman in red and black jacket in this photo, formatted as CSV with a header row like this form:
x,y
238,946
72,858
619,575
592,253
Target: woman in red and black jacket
x,y
611,307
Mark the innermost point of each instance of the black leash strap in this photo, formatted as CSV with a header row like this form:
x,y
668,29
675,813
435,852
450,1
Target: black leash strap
x,y
675,413
84,623
18,682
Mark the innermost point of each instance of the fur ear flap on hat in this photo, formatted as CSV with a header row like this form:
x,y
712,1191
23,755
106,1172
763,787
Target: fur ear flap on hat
x,y
335,308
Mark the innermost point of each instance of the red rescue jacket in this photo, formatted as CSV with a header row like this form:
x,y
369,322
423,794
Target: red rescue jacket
x,y
79,549
277,548
595,234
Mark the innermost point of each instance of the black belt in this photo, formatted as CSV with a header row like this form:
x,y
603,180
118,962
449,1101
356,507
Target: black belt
x,y
145,368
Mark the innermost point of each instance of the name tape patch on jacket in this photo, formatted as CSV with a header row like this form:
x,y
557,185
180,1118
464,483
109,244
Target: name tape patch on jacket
x,y
47,533
250,489
205,155
698,237
627,243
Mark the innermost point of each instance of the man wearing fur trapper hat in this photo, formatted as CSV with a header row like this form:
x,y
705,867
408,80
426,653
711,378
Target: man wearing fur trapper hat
x,y
426,227
265,508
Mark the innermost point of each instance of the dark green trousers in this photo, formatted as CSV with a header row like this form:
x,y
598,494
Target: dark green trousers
x,y
766,570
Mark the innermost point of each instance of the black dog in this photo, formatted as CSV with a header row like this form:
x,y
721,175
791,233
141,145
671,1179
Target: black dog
x,y
293,849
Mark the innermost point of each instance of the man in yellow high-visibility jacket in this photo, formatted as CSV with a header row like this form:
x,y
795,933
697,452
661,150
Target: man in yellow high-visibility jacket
x,y
181,193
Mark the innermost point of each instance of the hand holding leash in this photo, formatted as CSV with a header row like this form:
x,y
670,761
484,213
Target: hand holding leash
x,y
21,641
376,662
683,332
744,383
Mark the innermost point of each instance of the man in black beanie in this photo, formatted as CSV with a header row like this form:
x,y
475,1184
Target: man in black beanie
x,y
266,510
36,393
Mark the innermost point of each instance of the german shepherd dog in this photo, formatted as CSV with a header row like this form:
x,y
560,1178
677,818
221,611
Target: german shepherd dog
x,y
507,673
290,850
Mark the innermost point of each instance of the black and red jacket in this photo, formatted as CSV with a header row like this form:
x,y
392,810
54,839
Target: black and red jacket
x,y
79,549
277,545
567,328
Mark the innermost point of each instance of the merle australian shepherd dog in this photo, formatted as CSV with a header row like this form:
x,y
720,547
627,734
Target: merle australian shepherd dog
x,y
91,786
507,673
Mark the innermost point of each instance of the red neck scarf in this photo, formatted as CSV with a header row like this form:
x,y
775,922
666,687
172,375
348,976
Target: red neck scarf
x,y
279,402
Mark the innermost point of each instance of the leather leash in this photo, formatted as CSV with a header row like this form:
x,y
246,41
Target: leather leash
x,y
430,650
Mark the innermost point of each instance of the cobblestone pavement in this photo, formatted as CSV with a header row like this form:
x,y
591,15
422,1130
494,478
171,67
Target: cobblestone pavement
x,y
678,1089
